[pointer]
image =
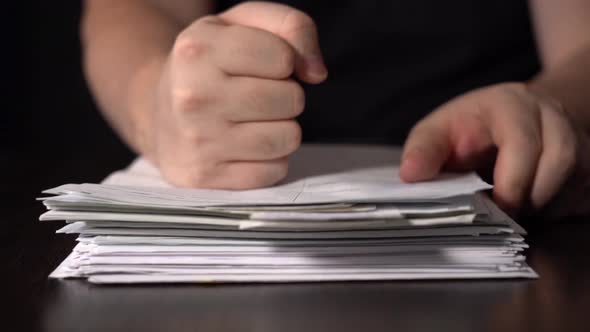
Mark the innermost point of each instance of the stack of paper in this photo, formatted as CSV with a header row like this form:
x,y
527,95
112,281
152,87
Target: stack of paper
x,y
342,214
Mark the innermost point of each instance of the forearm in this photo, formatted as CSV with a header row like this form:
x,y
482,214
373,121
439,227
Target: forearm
x,y
125,44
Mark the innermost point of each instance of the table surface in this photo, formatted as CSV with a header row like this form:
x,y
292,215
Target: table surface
x,y
558,301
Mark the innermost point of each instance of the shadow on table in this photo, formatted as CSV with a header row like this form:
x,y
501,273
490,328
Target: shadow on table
x,y
558,301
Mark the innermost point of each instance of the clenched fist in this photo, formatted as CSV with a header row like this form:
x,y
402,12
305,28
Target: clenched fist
x,y
227,103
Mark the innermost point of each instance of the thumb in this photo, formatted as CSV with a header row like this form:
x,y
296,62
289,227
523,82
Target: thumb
x,y
426,150
294,26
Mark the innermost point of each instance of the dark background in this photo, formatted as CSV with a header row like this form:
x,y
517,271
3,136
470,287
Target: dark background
x,y
69,131
51,133
50,129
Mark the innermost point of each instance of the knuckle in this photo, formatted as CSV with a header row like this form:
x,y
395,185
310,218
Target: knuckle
x,y
188,100
511,88
245,178
197,138
198,177
297,20
269,144
506,93
173,177
280,170
255,98
235,33
281,55
292,137
526,135
281,141
286,62
273,173
298,97
208,20
194,177
559,113
187,47
262,175
193,139
555,106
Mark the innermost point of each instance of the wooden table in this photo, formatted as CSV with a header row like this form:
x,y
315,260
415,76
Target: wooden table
x,y
558,301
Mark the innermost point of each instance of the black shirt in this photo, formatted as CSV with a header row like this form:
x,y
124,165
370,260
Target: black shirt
x,y
392,62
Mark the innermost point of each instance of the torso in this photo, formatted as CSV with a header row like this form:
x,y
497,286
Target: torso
x,y
392,62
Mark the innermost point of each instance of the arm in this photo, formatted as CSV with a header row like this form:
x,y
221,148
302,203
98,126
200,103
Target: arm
x,y
125,44
209,99
563,37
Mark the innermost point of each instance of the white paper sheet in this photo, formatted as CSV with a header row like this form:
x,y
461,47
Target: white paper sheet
x,y
373,184
341,214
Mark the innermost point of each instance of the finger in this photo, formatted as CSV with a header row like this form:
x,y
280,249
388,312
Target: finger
x,y
229,175
246,51
239,175
256,99
255,141
558,158
515,129
426,149
294,26
472,144
234,49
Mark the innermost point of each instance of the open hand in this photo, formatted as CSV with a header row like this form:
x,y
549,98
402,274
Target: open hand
x,y
541,158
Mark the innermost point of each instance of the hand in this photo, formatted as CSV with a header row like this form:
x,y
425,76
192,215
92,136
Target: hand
x,y
542,160
226,102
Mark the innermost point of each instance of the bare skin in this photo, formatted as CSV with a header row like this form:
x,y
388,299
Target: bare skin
x,y
540,129
161,73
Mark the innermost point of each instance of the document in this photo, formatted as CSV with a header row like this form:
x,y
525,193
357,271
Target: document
x,y
341,214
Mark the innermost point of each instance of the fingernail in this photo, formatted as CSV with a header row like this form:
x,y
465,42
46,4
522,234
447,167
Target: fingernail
x,y
316,67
